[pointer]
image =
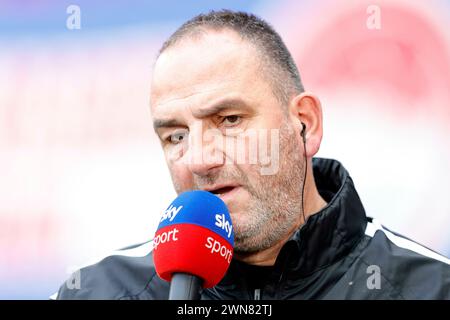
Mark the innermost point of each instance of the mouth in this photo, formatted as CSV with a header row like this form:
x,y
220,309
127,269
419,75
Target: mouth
x,y
222,190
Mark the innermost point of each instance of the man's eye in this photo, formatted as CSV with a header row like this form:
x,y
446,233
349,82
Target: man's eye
x,y
231,120
177,137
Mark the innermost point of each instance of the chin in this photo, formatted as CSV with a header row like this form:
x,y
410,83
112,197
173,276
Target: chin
x,y
240,222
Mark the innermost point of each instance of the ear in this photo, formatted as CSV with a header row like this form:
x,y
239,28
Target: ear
x,y
306,108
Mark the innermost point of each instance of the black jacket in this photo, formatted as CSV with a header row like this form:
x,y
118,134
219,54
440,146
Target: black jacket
x,y
338,254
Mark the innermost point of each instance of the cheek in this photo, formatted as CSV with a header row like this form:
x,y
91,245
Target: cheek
x,y
181,178
249,176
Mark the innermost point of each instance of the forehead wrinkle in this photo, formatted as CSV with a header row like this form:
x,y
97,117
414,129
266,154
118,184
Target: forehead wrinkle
x,y
189,95
176,59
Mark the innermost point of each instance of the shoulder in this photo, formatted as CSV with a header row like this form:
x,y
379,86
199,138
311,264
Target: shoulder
x,y
128,273
411,269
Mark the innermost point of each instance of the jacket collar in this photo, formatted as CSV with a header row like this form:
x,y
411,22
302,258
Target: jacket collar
x,y
327,235
331,233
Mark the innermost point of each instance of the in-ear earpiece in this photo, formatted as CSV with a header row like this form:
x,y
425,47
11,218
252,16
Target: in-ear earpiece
x,y
303,132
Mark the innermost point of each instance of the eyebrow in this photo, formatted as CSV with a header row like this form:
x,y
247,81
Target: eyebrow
x,y
166,123
225,104
230,103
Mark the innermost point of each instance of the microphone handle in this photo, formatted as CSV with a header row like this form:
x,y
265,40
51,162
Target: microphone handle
x,y
185,286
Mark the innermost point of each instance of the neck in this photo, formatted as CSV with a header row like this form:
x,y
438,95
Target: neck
x,y
313,203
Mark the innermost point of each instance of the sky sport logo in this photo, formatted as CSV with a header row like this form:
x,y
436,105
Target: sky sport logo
x,y
168,236
224,224
170,213
217,248
215,245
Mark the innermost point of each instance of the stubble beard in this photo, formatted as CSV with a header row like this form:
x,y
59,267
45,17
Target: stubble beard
x,y
275,200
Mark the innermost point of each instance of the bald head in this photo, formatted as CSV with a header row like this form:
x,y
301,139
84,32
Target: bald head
x,y
218,60
273,58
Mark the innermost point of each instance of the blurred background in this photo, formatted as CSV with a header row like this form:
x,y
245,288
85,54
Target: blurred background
x,y
82,173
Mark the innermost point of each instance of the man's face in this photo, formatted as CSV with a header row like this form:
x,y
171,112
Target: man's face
x,y
207,94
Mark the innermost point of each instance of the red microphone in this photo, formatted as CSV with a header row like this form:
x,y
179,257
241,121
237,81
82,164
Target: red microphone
x,y
193,245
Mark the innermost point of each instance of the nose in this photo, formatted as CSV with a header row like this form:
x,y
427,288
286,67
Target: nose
x,y
205,151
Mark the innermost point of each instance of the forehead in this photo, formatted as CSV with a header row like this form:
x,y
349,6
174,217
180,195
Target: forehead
x,y
214,64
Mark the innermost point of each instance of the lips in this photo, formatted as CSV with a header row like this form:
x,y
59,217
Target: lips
x,y
221,190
